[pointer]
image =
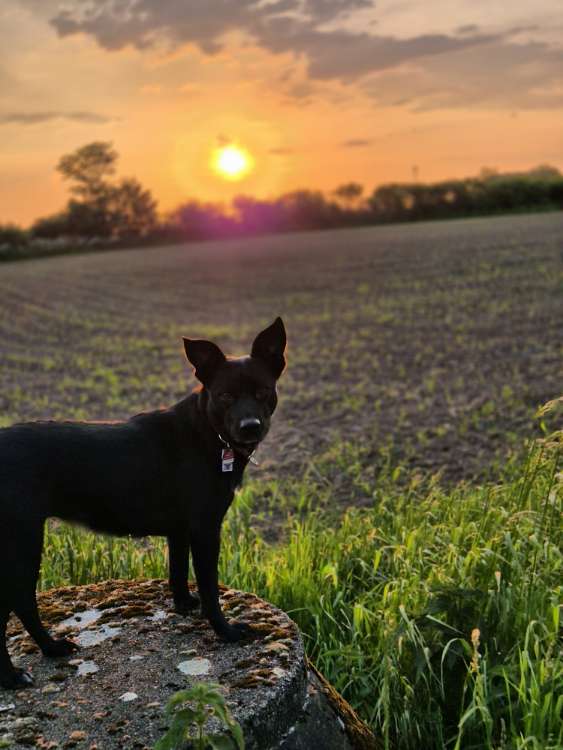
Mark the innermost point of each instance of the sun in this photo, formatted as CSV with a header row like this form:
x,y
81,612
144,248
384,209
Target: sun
x,y
232,162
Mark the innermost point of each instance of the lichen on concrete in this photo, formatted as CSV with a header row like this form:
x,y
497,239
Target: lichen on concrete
x,y
133,644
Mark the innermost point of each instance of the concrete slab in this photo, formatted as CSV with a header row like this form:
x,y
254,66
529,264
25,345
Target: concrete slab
x,y
136,652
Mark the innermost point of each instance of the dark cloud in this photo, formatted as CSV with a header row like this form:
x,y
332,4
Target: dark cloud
x,y
34,118
143,23
280,151
327,10
470,28
345,56
281,26
302,90
469,67
497,76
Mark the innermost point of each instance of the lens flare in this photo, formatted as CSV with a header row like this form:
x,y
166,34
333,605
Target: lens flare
x,y
232,162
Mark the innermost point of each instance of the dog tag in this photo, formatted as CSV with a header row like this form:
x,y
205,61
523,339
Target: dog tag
x,y
227,459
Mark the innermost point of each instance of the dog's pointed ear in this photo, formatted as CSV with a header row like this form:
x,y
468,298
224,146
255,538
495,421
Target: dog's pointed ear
x,y
269,346
205,356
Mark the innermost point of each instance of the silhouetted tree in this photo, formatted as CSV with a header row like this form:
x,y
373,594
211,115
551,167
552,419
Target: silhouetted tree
x,y
350,193
199,221
545,172
89,167
307,209
387,202
90,219
101,208
488,173
131,209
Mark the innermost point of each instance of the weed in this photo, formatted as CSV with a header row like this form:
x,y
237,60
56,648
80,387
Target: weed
x,y
190,710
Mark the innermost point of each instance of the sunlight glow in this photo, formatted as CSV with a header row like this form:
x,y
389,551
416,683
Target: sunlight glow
x,y
232,162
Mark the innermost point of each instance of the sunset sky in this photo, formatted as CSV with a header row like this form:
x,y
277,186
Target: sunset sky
x,y
318,92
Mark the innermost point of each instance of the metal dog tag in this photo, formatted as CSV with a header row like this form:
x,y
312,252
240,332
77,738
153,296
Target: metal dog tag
x,y
227,459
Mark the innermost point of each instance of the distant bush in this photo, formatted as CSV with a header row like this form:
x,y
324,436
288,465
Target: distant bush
x,y
13,240
302,210
51,227
121,214
490,193
199,221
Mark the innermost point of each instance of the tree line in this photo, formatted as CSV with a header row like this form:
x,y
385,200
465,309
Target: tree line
x,y
107,212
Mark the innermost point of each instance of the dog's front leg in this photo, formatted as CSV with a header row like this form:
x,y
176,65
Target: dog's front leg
x,y
205,550
178,566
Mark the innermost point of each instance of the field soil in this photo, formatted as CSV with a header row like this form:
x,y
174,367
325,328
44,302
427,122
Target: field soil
x,y
431,344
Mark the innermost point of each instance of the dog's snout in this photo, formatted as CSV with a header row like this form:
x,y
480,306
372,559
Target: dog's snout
x,y
250,430
250,424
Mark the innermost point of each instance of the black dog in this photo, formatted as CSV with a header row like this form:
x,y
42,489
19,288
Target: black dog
x,y
171,473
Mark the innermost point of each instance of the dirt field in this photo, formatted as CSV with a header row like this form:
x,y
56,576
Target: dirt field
x,y
432,343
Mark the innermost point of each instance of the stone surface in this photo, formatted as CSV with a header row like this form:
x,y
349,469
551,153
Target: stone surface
x,y
136,652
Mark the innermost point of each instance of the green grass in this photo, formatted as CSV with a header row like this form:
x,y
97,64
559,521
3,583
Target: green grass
x,y
434,611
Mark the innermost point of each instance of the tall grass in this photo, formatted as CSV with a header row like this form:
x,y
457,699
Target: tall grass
x,y
435,612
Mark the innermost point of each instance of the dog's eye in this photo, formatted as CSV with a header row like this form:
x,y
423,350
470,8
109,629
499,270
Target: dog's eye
x,y
262,394
226,398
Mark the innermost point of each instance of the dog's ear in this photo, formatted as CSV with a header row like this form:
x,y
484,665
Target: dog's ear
x,y
205,356
269,346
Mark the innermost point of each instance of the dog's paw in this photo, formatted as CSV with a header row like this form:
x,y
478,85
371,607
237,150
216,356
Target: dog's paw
x,y
186,603
17,679
62,647
235,631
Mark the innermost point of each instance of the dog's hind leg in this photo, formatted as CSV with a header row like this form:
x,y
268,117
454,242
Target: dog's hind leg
x,y
25,602
10,677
